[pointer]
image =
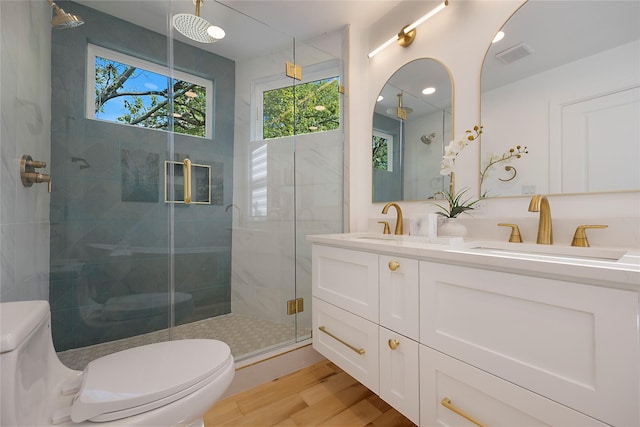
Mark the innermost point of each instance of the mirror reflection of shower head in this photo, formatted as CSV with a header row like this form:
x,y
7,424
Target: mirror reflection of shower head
x,y
63,20
428,139
197,28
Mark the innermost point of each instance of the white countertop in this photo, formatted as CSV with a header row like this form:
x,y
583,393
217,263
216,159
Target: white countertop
x,y
607,267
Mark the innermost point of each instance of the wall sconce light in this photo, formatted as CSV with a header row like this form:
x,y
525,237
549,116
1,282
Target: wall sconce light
x,y
408,33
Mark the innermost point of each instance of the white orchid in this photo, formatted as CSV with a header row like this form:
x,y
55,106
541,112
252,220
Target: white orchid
x,y
454,148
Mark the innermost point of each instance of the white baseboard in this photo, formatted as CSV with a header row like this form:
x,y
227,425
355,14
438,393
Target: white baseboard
x,y
268,367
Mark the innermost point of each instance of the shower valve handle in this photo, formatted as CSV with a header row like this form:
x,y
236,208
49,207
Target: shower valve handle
x,y
28,173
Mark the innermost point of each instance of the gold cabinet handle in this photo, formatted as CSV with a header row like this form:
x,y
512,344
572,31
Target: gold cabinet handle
x,y
186,173
394,265
580,236
393,344
356,349
446,402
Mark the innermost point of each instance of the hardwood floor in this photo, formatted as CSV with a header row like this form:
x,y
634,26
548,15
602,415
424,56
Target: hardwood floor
x,y
319,395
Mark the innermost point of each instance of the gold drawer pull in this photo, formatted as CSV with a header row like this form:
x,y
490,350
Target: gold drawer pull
x,y
446,402
394,265
393,344
356,349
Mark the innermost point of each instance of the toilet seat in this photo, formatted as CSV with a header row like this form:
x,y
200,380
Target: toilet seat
x,y
140,379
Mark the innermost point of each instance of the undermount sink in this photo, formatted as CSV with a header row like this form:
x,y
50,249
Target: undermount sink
x,y
555,252
392,238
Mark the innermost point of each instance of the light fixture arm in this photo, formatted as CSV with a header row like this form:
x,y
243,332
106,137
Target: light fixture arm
x,y
408,33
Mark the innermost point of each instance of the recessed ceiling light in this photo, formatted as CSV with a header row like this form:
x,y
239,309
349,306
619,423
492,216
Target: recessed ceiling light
x,y
428,90
320,107
498,37
394,111
191,94
312,128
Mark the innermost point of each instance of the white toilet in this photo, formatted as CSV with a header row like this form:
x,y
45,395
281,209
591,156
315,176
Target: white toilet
x,y
164,384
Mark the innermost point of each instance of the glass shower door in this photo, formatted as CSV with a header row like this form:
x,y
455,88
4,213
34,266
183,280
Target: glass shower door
x,y
109,241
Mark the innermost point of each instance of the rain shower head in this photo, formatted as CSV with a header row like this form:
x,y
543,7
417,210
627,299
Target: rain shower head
x,y
428,139
197,28
63,20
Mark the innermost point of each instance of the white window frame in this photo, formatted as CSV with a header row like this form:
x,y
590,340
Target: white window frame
x,y
94,51
312,73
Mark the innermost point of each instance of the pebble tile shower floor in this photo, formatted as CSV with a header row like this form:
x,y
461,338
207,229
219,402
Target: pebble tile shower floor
x,y
246,336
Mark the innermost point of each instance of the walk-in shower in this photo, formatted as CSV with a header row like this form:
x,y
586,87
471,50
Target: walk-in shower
x,y
130,261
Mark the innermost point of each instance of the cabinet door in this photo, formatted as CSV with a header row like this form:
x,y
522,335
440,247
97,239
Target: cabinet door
x,y
474,396
399,295
576,344
399,382
349,341
347,279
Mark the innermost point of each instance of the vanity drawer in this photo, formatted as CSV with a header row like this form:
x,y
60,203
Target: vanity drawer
x,y
399,295
484,397
349,341
573,343
347,279
399,382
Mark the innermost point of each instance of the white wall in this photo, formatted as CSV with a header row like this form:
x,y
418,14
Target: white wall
x,y
459,37
25,93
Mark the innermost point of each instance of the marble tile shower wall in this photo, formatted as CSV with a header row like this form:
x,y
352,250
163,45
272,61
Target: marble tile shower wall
x,y
104,246
25,61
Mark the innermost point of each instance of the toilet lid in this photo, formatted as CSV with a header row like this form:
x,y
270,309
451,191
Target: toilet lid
x,y
139,376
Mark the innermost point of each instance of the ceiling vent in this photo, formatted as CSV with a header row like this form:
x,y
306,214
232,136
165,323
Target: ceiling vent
x,y
514,53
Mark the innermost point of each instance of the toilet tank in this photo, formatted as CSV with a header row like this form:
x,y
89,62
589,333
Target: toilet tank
x,y
29,367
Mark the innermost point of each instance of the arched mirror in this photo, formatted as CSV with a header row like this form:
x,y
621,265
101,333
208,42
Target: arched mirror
x,y
411,120
564,82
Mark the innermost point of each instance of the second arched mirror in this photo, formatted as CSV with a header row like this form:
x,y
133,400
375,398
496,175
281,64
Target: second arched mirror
x,y
565,83
411,123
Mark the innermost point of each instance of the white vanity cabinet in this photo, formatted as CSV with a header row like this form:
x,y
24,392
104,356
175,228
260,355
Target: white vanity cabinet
x,y
398,290
365,319
572,343
345,310
347,279
399,381
453,393
399,333
451,343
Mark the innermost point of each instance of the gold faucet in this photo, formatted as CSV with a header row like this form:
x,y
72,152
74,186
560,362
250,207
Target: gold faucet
x,y
398,216
540,204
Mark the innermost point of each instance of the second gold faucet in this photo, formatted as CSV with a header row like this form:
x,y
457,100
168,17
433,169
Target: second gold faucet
x,y
539,203
399,218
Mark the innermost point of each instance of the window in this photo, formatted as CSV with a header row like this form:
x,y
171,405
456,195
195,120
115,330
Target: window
x,y
382,151
317,109
128,90
286,109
